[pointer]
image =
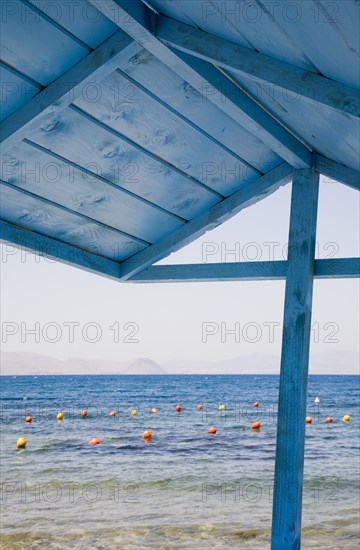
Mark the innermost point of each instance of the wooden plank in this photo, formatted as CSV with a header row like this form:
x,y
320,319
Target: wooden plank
x,y
236,58
245,197
156,129
15,91
246,271
318,126
289,462
316,28
84,142
335,268
135,18
43,52
146,70
212,272
36,171
57,96
20,208
57,250
254,25
79,18
338,172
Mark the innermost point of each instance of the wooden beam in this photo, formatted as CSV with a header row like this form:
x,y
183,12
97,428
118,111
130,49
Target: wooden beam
x,y
248,195
289,462
335,268
60,93
242,60
57,250
48,247
338,172
212,272
140,22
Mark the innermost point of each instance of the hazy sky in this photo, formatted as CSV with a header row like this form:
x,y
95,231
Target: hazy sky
x,y
75,310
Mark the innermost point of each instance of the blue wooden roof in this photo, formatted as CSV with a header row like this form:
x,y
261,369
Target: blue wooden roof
x,y
129,128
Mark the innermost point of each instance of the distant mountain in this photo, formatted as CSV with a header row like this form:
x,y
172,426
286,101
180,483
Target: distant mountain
x,y
144,366
13,363
331,362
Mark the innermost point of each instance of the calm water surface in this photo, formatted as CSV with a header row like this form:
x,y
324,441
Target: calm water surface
x,y
185,490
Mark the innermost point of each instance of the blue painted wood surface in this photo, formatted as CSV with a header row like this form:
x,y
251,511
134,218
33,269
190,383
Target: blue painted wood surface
x,y
79,18
140,22
80,80
290,443
245,23
30,212
15,91
239,59
335,268
175,92
54,249
82,141
245,197
32,45
311,34
47,176
131,112
319,127
338,172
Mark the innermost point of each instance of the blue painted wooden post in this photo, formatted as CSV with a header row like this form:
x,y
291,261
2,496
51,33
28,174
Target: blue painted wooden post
x,y
289,466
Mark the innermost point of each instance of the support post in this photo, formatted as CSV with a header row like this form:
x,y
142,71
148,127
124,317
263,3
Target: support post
x,y
290,444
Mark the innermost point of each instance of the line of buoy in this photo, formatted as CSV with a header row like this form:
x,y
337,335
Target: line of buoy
x,y
21,442
178,409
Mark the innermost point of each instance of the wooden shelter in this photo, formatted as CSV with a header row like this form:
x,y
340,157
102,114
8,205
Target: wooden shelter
x,y
129,128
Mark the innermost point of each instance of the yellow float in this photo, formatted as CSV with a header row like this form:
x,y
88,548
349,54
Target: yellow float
x,y
21,443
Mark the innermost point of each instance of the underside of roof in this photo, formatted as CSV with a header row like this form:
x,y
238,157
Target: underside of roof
x,y
130,128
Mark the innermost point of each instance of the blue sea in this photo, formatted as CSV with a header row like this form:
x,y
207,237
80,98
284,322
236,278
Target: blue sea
x,y
183,490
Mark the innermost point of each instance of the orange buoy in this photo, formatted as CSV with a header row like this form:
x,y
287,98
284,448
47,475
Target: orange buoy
x,y
94,441
256,426
147,434
28,419
178,408
199,407
308,420
153,410
256,404
328,419
212,430
112,413
83,413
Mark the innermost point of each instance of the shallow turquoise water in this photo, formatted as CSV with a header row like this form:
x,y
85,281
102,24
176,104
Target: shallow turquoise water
x,y
185,489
